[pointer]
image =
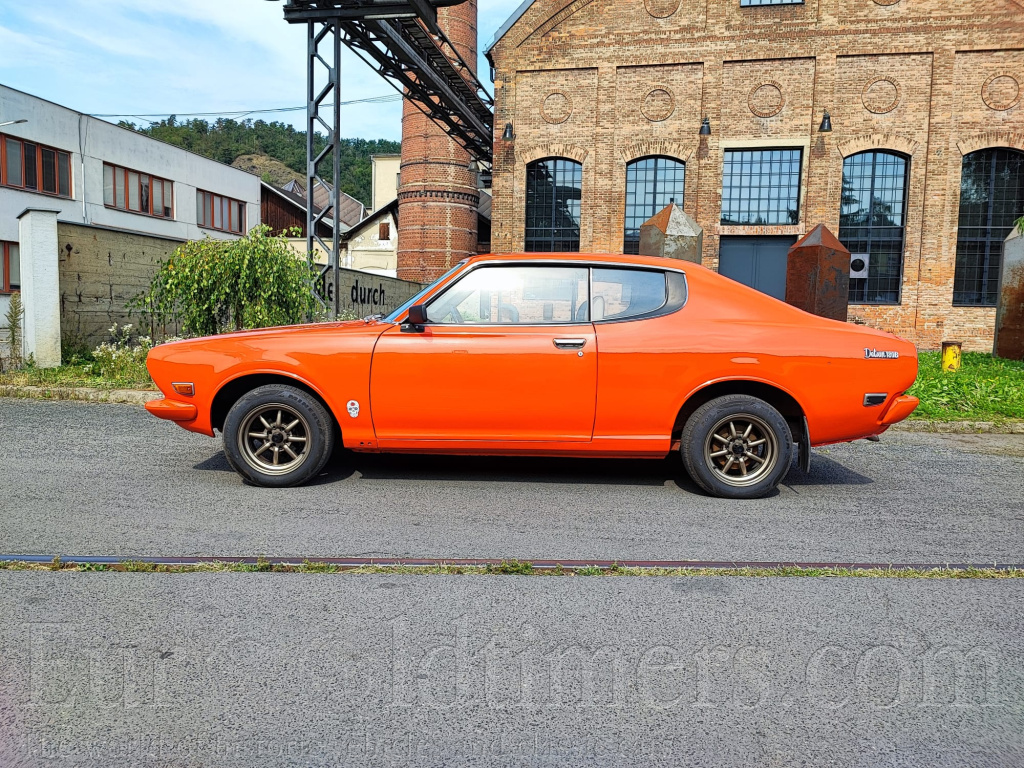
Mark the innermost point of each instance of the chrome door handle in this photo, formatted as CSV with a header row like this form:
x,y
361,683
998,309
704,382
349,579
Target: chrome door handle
x,y
569,343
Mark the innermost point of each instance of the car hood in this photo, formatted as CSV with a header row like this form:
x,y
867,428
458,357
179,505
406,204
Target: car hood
x,y
351,326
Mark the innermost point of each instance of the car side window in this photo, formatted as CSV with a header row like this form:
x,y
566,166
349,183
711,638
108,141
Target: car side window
x,y
625,293
502,295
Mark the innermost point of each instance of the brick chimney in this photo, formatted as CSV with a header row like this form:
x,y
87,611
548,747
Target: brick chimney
x,y
437,194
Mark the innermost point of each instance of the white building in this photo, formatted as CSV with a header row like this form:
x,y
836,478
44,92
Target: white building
x,y
62,167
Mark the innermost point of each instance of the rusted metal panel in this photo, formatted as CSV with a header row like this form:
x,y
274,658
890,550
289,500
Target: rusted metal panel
x,y
818,275
673,234
1009,341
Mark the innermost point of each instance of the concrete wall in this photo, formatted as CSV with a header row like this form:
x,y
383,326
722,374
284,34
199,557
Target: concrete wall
x,y
39,287
365,294
100,271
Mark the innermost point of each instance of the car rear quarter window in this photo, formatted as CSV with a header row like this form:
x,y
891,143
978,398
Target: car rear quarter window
x,y
620,294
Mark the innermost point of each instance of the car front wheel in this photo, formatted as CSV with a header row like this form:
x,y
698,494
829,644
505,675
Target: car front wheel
x,y
737,447
278,436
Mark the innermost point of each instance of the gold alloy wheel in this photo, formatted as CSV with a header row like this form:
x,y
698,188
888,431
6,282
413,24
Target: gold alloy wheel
x,y
274,439
741,449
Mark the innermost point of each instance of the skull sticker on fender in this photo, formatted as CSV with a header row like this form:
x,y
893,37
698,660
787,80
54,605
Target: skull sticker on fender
x,y
353,408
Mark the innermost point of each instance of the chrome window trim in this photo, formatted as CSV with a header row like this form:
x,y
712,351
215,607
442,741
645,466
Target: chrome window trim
x,y
584,263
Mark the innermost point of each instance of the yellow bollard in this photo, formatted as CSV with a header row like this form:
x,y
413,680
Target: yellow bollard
x,y
951,356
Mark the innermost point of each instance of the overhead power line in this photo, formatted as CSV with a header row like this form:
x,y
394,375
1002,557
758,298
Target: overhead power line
x,y
390,97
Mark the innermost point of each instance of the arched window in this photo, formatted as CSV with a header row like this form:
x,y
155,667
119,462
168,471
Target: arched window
x,y
554,187
651,184
991,199
873,223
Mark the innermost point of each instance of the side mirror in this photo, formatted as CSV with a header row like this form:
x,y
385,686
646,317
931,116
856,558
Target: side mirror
x,y
417,315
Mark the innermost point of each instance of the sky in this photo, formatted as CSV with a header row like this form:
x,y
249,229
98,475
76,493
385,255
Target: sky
x,y
153,57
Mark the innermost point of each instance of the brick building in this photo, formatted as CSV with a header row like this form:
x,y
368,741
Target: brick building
x,y
921,174
437,193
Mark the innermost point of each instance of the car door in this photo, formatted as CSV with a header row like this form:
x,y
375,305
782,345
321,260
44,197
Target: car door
x,y
508,354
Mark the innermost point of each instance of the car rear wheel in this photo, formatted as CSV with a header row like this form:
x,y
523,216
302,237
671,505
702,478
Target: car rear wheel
x,y
737,447
278,436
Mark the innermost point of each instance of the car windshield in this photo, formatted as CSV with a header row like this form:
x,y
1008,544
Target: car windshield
x,y
394,315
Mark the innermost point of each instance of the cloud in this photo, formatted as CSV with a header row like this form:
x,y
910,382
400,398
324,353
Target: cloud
x,y
153,56
146,56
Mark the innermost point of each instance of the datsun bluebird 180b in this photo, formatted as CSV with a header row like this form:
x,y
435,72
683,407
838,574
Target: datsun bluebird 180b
x,y
548,355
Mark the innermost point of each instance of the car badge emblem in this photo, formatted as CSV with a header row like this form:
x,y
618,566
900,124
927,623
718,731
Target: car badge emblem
x,y
353,408
880,354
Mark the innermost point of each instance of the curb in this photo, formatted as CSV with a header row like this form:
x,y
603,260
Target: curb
x,y
962,427
85,394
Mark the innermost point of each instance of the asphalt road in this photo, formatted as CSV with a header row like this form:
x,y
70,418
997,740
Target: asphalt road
x,y
224,670
95,479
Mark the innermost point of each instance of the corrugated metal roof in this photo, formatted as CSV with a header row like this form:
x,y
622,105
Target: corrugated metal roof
x,y
350,210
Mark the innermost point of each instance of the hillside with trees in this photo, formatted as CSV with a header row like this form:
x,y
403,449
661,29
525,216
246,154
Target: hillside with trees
x,y
227,140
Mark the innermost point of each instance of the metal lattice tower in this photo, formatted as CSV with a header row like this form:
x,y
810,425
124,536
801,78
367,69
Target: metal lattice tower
x,y
402,42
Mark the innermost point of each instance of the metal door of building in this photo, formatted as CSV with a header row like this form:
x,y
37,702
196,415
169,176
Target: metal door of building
x,y
759,262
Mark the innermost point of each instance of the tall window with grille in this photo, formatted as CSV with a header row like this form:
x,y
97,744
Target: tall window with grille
x,y
137,192
219,212
554,190
34,167
651,184
873,223
991,200
761,186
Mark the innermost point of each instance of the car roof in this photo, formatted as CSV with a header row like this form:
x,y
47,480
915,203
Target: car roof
x,y
590,258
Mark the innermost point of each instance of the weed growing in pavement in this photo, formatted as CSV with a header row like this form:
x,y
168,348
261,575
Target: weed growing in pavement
x,y
96,567
513,567
510,567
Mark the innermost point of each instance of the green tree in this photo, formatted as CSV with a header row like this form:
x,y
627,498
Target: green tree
x,y
225,140
211,286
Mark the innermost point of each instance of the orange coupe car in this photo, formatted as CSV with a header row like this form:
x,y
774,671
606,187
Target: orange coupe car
x,y
548,355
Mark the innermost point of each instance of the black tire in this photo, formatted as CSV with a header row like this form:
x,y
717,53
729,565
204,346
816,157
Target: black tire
x,y
269,425
723,460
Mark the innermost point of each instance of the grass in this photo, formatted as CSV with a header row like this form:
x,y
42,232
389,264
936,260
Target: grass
x,y
78,374
985,388
518,568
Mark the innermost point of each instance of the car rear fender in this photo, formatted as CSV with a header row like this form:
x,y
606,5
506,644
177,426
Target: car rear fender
x,y
778,397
